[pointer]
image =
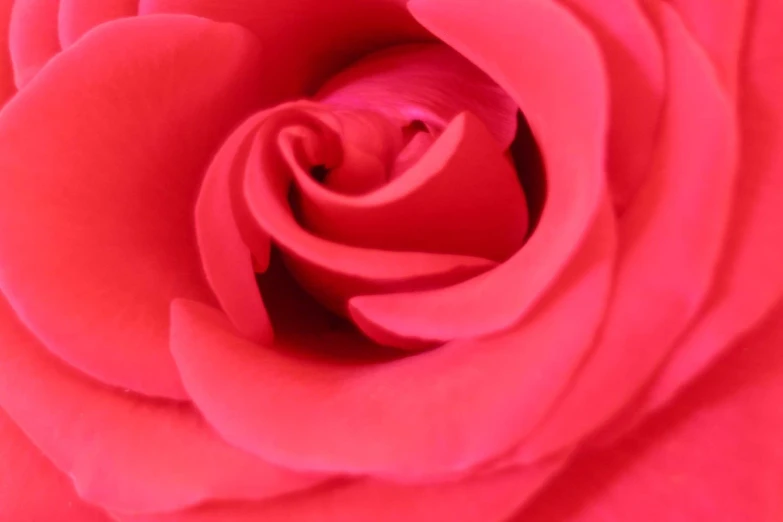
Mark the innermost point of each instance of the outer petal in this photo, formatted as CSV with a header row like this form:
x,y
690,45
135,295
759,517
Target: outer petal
x,y
485,499
33,490
101,159
123,452
671,238
306,41
714,455
439,413
7,87
76,17
635,67
517,43
32,37
749,281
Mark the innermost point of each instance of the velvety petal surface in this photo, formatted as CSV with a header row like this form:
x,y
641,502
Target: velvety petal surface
x,y
489,498
306,41
714,454
76,17
749,279
31,488
7,87
101,159
124,452
32,37
516,44
475,398
634,62
670,238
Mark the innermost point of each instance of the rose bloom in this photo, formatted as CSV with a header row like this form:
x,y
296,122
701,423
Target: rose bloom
x,y
388,260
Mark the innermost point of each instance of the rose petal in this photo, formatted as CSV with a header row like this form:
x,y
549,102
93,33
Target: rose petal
x,y
441,412
516,43
76,17
671,238
749,280
462,197
31,488
430,83
713,455
101,159
7,87
123,452
491,498
32,37
635,65
308,40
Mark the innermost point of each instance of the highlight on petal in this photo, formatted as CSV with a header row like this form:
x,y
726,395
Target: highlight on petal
x,y
670,238
516,43
76,17
32,37
482,499
307,41
712,455
635,66
430,83
123,452
101,160
31,488
270,399
749,281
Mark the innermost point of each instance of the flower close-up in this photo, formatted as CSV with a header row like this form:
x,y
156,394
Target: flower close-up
x,y
391,260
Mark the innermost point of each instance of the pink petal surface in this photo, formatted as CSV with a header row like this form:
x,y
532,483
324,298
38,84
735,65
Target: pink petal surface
x,y
635,67
427,82
715,454
306,41
110,154
749,280
123,452
32,37
76,17
475,398
670,240
33,490
491,498
516,43
7,87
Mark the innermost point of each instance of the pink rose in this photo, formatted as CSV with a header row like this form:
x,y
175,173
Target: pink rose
x,y
306,260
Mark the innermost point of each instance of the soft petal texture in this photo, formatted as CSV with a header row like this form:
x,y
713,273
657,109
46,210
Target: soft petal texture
x,y
635,65
305,41
462,197
76,17
31,489
331,271
32,37
398,418
110,153
431,83
714,455
490,498
227,255
749,279
517,43
123,452
670,240
7,87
